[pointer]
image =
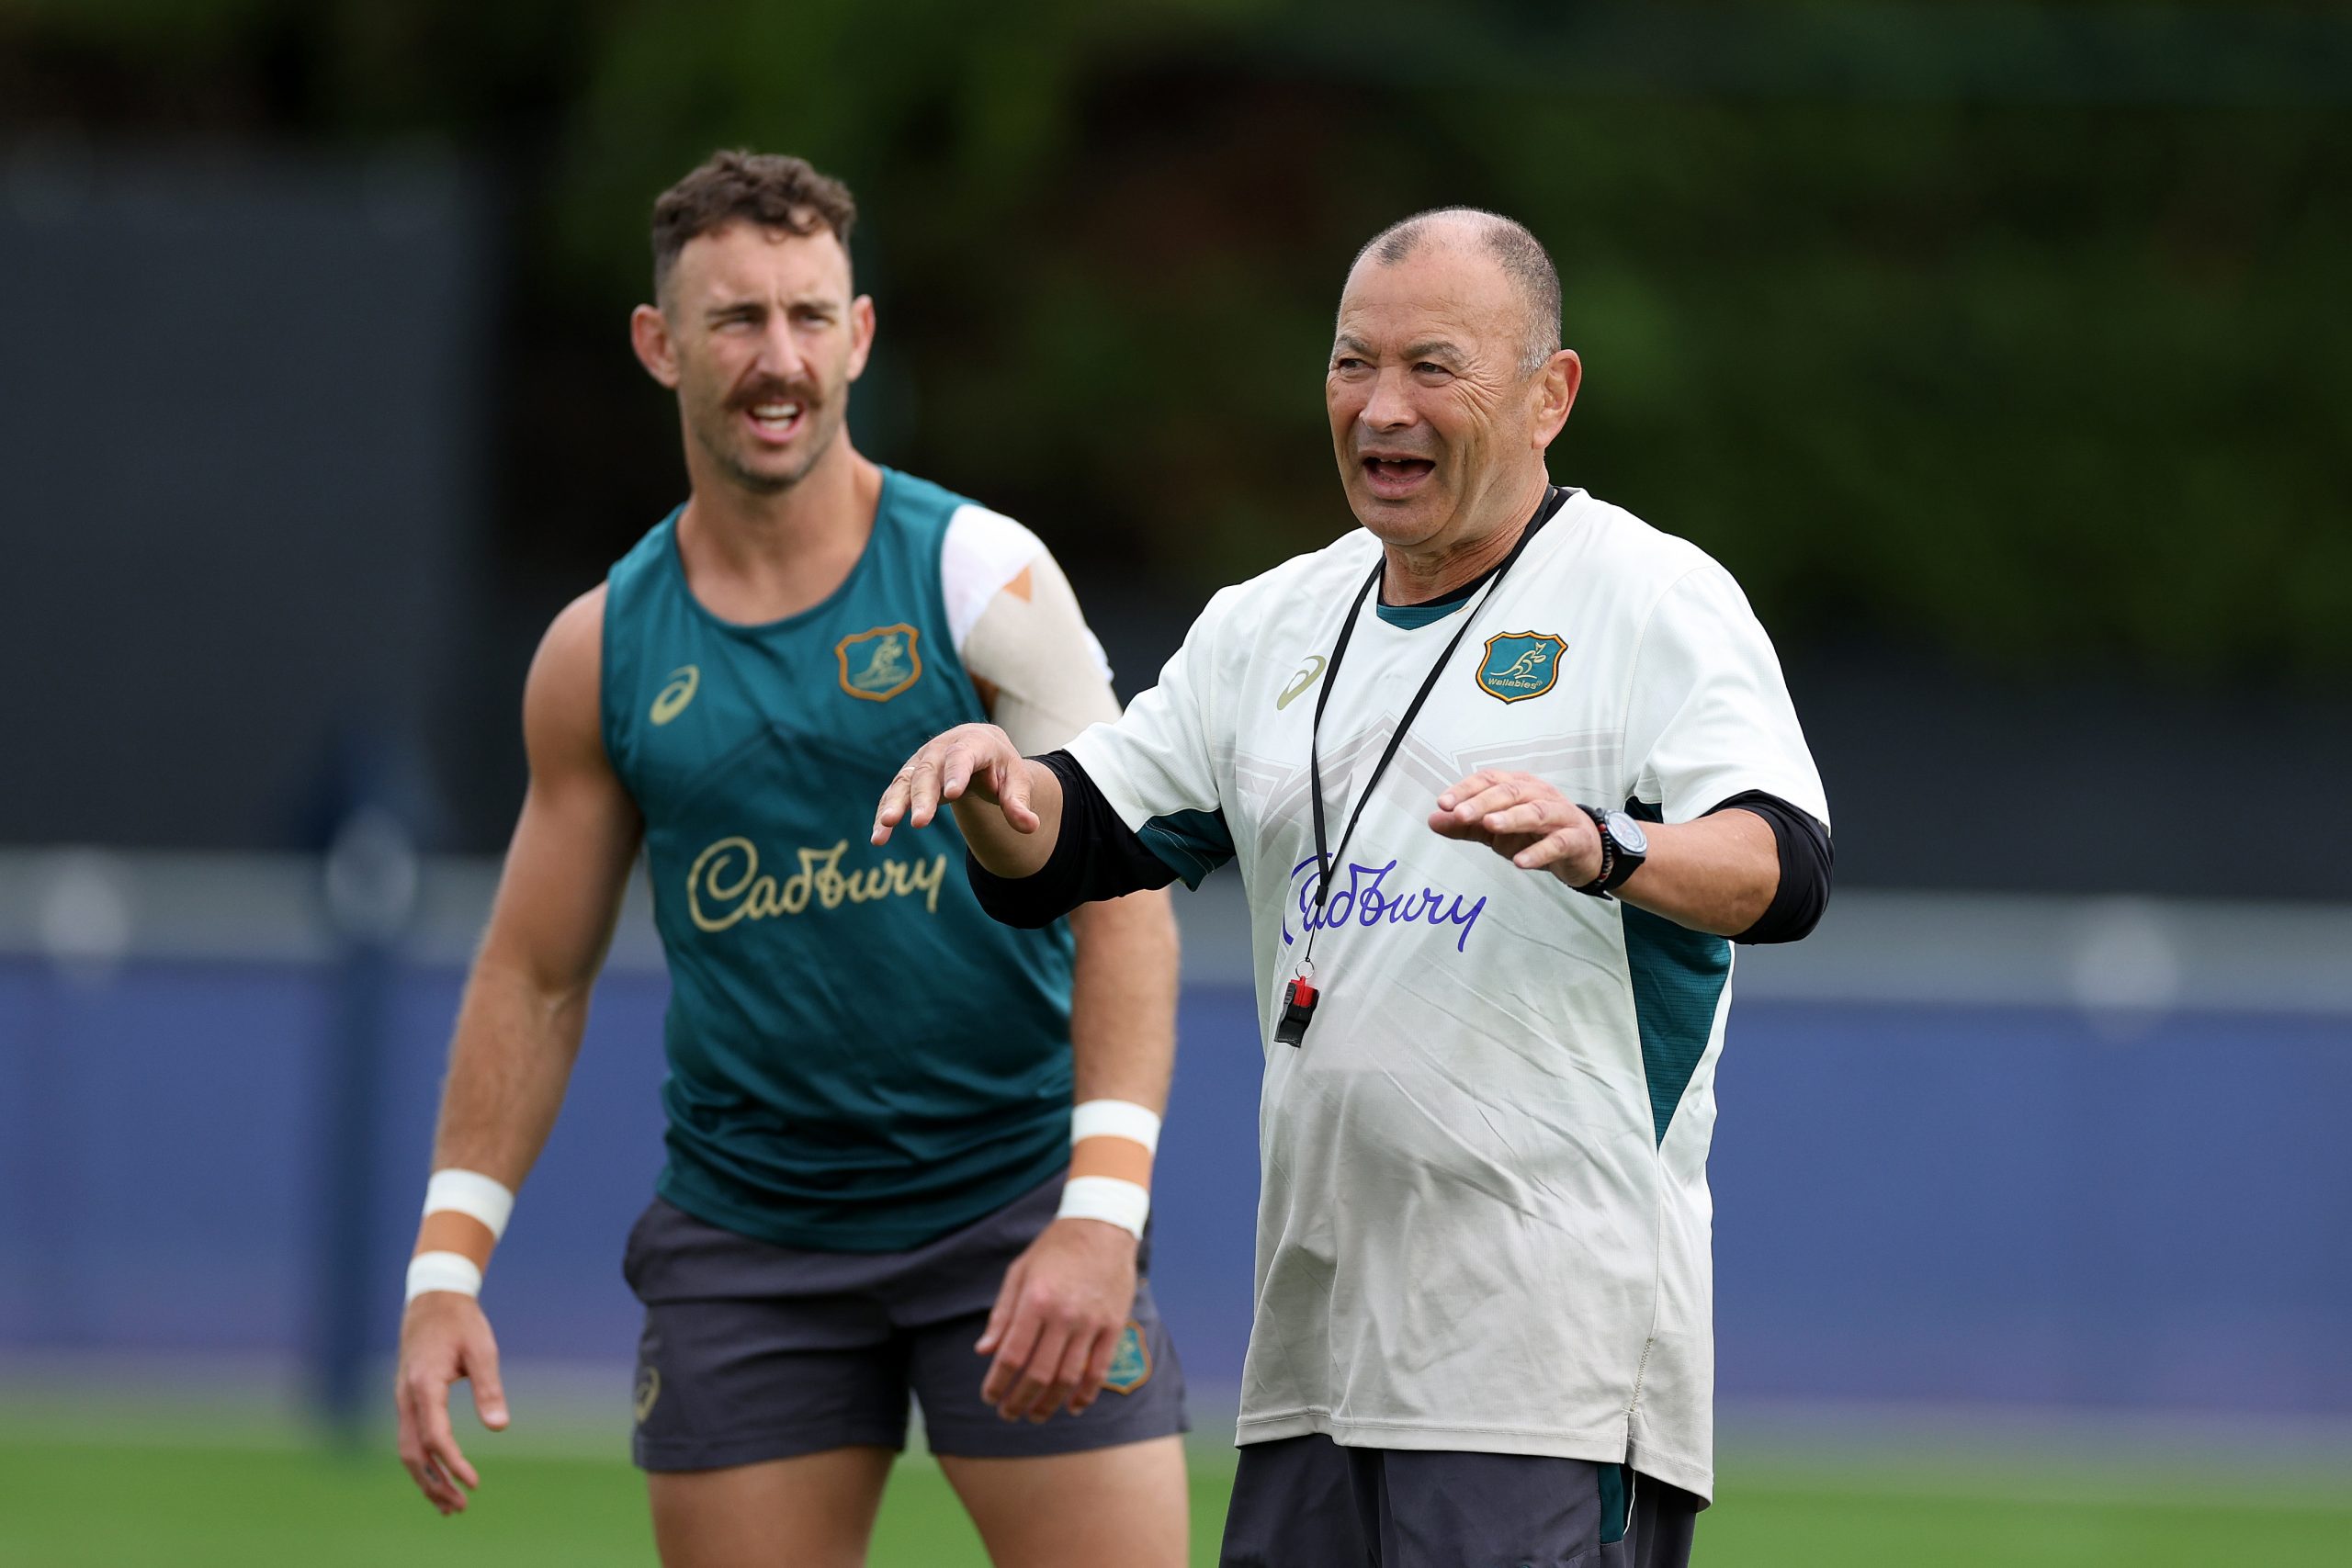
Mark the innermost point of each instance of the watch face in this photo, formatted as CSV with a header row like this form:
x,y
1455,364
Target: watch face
x,y
1628,834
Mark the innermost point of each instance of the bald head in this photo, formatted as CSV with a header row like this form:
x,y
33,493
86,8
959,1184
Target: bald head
x,y
1508,244
1446,383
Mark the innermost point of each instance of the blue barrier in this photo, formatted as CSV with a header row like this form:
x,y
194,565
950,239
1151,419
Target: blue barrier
x,y
1914,1202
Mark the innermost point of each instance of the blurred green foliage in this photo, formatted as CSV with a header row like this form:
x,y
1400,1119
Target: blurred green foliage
x,y
2018,331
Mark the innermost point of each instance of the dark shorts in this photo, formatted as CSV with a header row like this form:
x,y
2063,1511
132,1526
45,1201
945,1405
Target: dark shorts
x,y
755,1352
1309,1503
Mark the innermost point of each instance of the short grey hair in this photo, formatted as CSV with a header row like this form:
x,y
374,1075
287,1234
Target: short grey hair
x,y
1514,248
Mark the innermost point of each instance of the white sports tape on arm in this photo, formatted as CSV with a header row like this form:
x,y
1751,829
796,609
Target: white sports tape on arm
x,y
1050,678
1106,1198
1116,1119
470,1193
443,1271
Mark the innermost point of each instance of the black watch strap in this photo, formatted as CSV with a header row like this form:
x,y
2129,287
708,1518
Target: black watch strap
x,y
1598,886
1616,863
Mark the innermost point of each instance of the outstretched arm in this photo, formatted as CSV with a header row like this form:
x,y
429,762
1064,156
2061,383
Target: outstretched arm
x,y
1008,807
1019,817
518,1027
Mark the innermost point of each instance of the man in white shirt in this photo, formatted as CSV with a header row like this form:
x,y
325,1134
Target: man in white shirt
x,y
1505,774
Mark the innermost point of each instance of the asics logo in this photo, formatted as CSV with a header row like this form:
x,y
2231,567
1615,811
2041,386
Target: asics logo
x,y
671,700
1300,681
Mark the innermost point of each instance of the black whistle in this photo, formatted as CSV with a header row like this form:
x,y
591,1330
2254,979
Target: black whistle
x,y
1298,1011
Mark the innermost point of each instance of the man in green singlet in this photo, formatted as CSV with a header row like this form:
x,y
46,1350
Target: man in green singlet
x,y
861,1191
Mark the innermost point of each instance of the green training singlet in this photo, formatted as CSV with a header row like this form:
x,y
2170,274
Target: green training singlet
x,y
860,1059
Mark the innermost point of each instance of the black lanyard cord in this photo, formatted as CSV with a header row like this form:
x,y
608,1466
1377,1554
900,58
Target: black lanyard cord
x,y
1327,859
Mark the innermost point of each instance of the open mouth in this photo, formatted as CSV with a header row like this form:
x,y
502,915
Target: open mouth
x,y
1392,477
776,422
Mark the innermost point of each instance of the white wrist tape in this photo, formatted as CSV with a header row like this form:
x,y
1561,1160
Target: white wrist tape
x,y
443,1271
1106,1198
1116,1119
470,1193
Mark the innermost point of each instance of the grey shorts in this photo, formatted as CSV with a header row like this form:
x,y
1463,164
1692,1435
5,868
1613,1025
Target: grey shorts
x,y
1309,1503
755,1352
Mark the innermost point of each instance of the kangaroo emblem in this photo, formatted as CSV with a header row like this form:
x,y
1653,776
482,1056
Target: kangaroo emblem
x,y
879,663
887,667
1519,665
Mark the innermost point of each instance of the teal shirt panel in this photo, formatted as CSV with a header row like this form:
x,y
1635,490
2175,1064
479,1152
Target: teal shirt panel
x,y
1678,977
860,1059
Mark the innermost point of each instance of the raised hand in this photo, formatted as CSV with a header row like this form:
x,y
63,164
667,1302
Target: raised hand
x,y
1008,808
1524,820
976,758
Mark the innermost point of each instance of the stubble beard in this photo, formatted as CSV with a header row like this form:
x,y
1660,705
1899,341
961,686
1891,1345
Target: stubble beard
x,y
827,424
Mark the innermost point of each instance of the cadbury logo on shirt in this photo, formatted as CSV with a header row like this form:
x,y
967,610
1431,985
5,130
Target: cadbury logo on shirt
x,y
1362,896
725,885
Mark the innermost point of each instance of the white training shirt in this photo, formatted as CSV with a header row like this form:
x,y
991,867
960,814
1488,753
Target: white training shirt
x,y
1471,1235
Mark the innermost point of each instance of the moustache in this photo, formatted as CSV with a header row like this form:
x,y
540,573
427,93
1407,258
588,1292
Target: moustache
x,y
774,392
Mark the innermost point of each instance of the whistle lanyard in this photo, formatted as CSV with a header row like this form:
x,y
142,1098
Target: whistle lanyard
x,y
1300,997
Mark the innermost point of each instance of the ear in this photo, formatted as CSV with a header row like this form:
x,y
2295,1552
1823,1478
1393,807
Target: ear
x,y
649,334
861,333
1555,394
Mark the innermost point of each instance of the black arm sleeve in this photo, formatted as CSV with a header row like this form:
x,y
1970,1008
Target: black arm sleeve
x,y
1097,856
1807,860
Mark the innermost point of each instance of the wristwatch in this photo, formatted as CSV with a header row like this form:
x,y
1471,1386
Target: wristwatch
x,y
1624,847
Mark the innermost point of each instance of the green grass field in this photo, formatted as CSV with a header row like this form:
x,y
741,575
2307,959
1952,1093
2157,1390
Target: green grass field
x,y
99,1495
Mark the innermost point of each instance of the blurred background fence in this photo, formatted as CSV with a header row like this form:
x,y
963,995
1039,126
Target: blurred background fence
x,y
2000,349
1989,1151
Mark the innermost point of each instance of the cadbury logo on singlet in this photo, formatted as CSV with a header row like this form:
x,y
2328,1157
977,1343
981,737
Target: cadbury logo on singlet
x,y
725,885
